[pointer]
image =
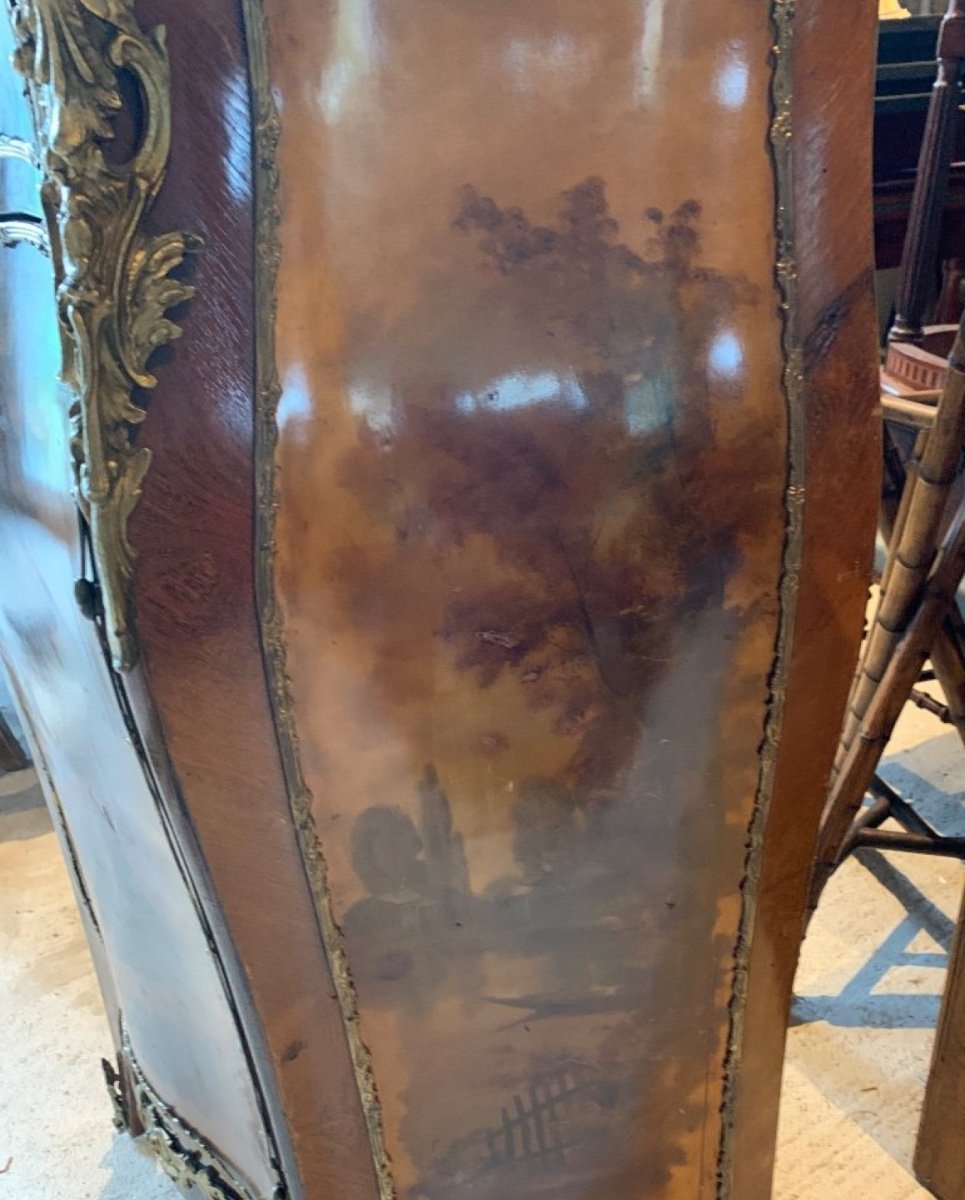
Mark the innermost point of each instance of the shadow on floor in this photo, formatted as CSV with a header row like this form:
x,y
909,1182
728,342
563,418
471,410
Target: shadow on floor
x,y
858,1003
135,1174
942,757
23,812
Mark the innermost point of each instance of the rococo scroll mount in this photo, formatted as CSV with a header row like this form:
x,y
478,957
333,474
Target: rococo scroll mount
x,y
182,1154
113,280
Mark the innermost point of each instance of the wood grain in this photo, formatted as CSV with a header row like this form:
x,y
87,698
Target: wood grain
x,y
835,322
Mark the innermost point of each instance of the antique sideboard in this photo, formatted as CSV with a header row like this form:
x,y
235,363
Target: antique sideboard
x,y
438,473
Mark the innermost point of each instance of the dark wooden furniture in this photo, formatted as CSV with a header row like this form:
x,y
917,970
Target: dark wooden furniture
x,y
916,287
905,79
933,243
434,655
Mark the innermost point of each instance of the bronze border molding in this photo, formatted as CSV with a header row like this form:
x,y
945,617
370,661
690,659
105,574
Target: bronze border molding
x,y
182,1154
782,17
268,393
113,283
780,143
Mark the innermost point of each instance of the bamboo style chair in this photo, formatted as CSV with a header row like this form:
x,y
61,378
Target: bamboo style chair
x,y
917,617
916,620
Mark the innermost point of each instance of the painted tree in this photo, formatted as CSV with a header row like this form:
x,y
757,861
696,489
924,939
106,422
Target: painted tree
x,y
593,470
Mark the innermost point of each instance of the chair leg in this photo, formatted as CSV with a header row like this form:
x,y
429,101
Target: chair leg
x,y
948,659
940,1149
916,530
878,722
948,652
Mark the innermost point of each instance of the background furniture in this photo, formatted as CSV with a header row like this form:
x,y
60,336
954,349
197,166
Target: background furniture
x,y
913,622
904,81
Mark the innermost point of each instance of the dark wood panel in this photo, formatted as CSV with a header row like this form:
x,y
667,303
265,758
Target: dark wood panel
x,y
835,326
532,535
147,936
198,625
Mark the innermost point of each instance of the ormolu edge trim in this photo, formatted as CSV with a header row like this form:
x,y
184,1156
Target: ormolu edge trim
x,y
780,141
113,290
268,392
113,282
190,1162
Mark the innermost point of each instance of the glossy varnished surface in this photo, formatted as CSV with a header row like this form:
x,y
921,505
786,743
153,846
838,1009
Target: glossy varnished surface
x,y
161,932
201,657
533,449
531,527
156,966
835,325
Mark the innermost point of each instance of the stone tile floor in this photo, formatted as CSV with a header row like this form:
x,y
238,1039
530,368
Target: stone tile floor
x,y
867,996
